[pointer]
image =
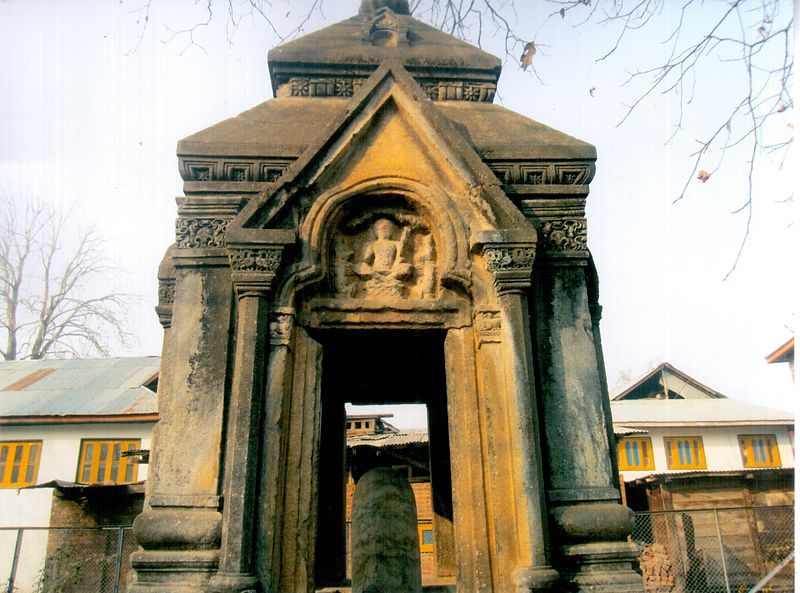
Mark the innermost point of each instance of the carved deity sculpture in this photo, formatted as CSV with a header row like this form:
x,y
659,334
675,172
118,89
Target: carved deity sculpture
x,y
383,267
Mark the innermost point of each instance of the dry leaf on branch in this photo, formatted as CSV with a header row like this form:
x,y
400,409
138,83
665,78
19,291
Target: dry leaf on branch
x,y
703,175
527,55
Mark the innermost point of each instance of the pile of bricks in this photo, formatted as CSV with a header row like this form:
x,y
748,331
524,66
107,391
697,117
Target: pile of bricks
x,y
657,571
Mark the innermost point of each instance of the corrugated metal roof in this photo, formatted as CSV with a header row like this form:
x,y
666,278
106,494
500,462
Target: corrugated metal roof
x,y
694,412
696,473
390,439
622,430
90,386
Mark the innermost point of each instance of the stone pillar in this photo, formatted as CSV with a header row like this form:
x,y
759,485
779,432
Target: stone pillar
x,y
589,525
179,531
510,264
472,554
385,539
274,420
253,271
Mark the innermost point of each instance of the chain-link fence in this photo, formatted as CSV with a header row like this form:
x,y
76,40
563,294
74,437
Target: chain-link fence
x,y
68,560
717,550
741,550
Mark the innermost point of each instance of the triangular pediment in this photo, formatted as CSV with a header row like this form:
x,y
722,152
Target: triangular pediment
x,y
389,130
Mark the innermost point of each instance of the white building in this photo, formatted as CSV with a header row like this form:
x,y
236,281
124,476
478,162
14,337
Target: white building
x,y
669,423
68,422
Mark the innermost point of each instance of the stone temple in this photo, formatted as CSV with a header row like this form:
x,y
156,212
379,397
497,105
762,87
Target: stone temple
x,y
381,232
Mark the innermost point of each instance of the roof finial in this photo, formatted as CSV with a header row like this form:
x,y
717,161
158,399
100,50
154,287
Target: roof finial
x,y
369,7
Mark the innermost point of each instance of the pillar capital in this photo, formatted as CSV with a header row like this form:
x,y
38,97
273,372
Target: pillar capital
x,y
510,264
253,268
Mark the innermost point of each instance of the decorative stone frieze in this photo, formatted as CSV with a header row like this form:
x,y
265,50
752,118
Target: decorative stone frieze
x,y
437,90
200,233
507,258
457,90
537,173
256,260
253,170
324,87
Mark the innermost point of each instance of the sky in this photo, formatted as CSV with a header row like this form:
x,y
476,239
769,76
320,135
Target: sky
x,y
93,104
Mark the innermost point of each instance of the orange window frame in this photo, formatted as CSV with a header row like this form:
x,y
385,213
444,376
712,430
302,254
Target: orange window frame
x,y
422,527
19,463
685,452
759,450
101,461
635,453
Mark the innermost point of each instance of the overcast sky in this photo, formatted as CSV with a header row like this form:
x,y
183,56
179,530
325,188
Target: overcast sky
x,y
92,106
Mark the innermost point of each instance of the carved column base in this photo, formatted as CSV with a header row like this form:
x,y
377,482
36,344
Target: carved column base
x,y
172,571
601,567
592,552
534,579
226,582
180,550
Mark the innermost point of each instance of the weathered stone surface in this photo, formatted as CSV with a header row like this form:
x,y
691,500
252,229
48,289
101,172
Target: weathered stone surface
x,y
385,546
381,233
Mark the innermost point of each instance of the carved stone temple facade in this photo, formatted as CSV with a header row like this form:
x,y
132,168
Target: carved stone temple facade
x,y
381,232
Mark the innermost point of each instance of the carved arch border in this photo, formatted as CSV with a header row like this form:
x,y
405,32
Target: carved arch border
x,y
315,233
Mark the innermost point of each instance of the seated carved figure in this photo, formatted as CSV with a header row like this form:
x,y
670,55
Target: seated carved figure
x,y
382,266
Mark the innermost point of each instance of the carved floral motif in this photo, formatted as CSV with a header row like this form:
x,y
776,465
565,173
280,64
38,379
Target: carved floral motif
x,y
199,233
255,260
509,258
324,87
456,90
565,235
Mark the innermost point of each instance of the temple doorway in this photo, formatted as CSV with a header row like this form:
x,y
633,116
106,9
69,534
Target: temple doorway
x,y
372,367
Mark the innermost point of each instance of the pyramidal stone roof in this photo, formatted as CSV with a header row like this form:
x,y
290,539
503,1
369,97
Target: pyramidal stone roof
x,y
348,51
324,77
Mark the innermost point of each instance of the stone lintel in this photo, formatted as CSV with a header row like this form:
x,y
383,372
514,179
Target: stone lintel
x,y
400,313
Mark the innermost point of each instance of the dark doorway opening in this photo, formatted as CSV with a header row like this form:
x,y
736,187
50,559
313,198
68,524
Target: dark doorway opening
x,y
366,367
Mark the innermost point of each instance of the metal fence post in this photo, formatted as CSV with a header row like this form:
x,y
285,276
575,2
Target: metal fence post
x,y
14,561
722,552
118,561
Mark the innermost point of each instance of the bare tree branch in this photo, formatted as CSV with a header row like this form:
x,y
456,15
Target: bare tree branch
x,y
49,303
754,35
